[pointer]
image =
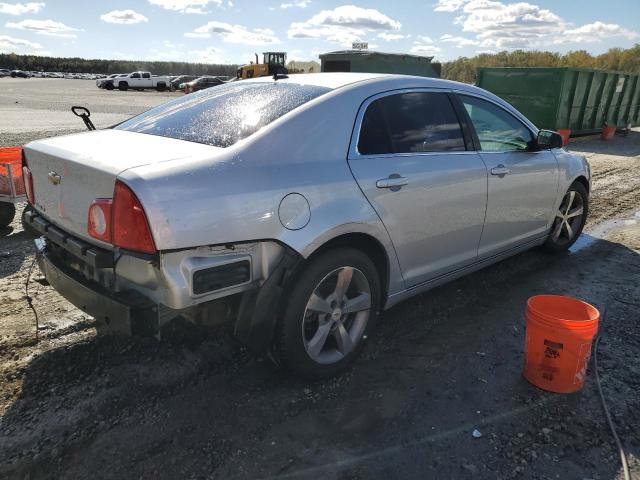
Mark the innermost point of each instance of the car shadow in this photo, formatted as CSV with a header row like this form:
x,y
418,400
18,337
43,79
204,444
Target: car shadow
x,y
437,367
626,145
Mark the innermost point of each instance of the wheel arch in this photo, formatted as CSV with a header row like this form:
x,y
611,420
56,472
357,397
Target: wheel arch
x,y
582,180
367,244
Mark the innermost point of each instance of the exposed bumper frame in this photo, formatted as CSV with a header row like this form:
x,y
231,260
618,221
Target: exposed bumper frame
x,y
128,314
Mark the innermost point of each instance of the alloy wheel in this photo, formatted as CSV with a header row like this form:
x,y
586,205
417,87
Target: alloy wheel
x,y
568,218
336,315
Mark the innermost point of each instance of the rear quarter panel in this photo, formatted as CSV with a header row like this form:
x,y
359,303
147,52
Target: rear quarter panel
x,y
235,195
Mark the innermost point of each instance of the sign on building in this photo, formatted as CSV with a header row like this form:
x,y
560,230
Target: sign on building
x,y
360,46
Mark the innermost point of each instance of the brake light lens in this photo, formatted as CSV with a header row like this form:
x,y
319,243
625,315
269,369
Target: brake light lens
x,y
99,221
28,184
129,222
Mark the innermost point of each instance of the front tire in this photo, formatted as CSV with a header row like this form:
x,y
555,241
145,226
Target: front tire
x,y
569,219
331,309
123,86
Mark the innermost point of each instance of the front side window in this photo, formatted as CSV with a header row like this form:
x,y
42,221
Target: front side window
x,y
410,122
497,129
135,75
224,115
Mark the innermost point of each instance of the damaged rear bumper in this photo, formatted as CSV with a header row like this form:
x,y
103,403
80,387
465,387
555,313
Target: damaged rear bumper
x,y
137,296
126,314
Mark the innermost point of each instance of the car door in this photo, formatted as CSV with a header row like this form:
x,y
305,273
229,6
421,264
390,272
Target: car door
x,y
145,81
412,160
523,182
134,80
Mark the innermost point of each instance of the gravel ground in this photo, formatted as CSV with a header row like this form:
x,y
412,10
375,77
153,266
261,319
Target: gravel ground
x,y
77,405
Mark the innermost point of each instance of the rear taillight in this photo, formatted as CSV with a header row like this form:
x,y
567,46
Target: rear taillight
x,y
129,222
121,221
99,220
28,183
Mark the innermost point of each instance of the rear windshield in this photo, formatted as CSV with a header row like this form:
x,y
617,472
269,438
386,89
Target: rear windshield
x,y
222,115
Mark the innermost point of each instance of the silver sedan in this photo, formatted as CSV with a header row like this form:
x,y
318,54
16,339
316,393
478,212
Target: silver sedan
x,y
297,208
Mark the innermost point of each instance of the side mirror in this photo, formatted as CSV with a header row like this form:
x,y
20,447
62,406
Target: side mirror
x,y
548,139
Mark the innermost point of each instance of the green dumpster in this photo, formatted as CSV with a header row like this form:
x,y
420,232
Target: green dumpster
x,y
577,99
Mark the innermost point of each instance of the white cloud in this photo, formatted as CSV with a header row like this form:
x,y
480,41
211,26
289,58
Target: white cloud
x,y
16,45
458,41
343,25
596,31
20,8
123,17
298,4
186,6
355,17
427,49
424,39
449,5
389,37
235,33
498,25
44,27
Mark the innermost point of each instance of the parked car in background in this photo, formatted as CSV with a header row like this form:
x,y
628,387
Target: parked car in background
x,y
19,73
102,82
141,80
4,72
201,83
181,80
406,183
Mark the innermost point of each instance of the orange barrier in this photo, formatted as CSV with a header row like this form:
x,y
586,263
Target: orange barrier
x,y
11,161
565,134
560,331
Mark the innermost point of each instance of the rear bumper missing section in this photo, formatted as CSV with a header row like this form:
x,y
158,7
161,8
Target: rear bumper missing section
x,y
125,314
254,313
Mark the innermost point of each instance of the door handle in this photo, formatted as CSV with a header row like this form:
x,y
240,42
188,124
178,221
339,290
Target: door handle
x,y
500,170
394,182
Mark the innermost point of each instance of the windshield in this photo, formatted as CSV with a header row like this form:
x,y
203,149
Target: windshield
x,y
224,115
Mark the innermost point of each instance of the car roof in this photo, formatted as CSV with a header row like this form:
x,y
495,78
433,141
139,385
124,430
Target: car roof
x,y
387,82
341,79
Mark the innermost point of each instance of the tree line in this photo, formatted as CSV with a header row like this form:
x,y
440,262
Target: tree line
x,y
463,69
83,65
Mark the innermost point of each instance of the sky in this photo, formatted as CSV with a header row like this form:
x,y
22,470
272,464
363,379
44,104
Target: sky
x,y
230,31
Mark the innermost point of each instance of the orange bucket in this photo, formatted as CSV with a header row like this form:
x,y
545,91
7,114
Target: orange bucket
x,y
565,134
608,133
560,332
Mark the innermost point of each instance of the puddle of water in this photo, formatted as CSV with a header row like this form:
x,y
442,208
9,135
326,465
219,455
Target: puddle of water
x,y
602,229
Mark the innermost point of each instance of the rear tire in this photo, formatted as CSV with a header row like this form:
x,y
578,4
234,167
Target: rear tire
x,y
329,313
123,86
161,87
569,219
109,86
7,214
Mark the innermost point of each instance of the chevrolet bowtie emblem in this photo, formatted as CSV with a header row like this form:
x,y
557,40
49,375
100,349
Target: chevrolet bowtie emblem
x,y
54,178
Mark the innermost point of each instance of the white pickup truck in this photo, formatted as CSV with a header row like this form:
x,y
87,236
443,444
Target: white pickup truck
x,y
141,80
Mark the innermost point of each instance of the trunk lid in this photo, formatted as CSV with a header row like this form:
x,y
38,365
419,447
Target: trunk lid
x,y
69,172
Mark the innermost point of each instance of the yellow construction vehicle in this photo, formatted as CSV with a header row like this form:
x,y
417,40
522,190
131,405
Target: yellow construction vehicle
x,y
273,63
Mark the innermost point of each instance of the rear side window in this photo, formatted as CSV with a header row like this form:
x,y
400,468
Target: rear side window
x,y
410,122
224,115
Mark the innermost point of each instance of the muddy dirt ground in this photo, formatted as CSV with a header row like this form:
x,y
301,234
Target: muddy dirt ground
x,y
76,405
